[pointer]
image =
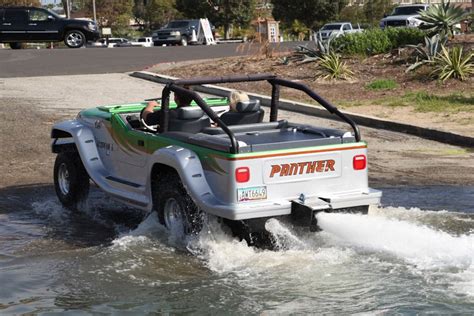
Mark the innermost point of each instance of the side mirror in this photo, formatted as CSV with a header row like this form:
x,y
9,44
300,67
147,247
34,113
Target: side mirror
x,y
51,18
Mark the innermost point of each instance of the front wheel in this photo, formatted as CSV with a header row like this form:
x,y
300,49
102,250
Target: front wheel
x,y
71,180
74,39
176,210
16,45
184,41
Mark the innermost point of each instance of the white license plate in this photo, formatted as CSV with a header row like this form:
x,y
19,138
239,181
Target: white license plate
x,y
251,194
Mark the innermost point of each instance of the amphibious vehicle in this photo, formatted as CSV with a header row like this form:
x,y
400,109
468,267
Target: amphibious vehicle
x,y
236,165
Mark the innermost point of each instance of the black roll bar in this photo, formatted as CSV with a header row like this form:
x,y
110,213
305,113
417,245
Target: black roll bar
x,y
202,104
328,106
177,87
225,79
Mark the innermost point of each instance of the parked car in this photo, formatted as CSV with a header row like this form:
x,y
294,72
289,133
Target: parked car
x,y
113,42
243,170
336,29
143,41
179,32
29,24
404,16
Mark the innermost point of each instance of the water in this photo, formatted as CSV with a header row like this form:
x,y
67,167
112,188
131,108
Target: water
x,y
109,259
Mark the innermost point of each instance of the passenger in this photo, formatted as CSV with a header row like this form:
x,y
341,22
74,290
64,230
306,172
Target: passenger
x,y
152,117
235,97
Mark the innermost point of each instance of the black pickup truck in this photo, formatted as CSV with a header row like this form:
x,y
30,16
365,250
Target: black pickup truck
x,y
29,24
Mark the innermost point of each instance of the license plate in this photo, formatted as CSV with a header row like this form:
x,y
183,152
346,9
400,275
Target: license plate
x,y
251,194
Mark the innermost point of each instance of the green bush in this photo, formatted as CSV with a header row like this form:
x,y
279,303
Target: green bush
x,y
403,36
377,41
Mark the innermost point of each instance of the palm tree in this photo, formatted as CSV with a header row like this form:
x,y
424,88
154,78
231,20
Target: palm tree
x,y
443,18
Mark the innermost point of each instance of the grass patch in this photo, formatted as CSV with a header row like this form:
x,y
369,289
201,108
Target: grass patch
x,y
382,84
425,102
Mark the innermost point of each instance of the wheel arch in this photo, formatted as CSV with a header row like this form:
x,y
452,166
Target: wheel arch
x,y
186,164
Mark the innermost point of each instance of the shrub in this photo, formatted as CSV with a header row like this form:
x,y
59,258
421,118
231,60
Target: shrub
x,y
377,41
425,54
402,36
442,18
382,84
332,67
453,63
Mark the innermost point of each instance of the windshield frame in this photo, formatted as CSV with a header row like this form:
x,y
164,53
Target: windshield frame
x,y
331,27
408,10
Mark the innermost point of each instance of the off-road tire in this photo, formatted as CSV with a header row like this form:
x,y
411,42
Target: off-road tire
x,y
167,189
16,45
71,180
74,39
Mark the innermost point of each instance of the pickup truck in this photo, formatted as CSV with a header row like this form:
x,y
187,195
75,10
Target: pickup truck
x,y
240,169
29,24
336,29
404,16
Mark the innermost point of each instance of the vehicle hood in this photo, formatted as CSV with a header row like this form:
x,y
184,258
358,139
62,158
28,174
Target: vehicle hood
x,y
78,21
400,17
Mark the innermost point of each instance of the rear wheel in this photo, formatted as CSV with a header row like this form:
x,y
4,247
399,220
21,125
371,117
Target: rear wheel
x,y
176,210
71,180
75,39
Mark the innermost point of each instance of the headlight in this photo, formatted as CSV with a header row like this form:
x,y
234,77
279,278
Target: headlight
x,y
175,33
92,26
414,22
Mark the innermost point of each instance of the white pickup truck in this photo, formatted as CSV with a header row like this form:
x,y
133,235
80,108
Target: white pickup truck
x,y
336,29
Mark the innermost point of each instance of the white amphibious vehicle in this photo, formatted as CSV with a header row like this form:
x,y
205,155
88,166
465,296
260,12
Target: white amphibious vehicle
x,y
241,169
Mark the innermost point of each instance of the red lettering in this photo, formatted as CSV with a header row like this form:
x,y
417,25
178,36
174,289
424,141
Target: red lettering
x,y
275,169
284,170
330,165
320,165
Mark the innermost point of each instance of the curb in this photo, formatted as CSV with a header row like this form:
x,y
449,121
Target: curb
x,y
319,111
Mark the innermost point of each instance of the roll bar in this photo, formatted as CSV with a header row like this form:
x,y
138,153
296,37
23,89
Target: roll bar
x,y
177,87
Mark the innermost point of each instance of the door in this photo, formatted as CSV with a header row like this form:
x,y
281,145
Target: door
x,y
13,26
42,26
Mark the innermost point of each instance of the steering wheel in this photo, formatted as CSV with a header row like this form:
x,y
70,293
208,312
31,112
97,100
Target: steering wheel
x,y
151,128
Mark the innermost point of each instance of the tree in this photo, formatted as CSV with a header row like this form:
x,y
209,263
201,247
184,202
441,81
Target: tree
x,y
220,12
312,13
154,13
374,10
27,3
113,12
354,14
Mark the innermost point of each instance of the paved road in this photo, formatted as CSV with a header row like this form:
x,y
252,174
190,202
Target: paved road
x,y
51,62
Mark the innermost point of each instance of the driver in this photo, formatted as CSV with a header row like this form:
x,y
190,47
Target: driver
x,y
153,118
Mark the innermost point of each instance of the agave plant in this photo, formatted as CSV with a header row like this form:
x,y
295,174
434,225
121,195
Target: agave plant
x,y
453,63
442,18
304,54
332,67
425,54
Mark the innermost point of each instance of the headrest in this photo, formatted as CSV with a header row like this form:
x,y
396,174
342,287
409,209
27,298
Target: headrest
x,y
189,113
248,106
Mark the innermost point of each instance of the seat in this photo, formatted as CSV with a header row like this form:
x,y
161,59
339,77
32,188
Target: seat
x,y
248,112
188,119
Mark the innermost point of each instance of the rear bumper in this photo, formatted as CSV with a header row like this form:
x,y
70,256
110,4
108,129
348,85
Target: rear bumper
x,y
242,211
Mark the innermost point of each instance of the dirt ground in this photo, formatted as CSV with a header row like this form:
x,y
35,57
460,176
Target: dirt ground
x,y
353,95
30,106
